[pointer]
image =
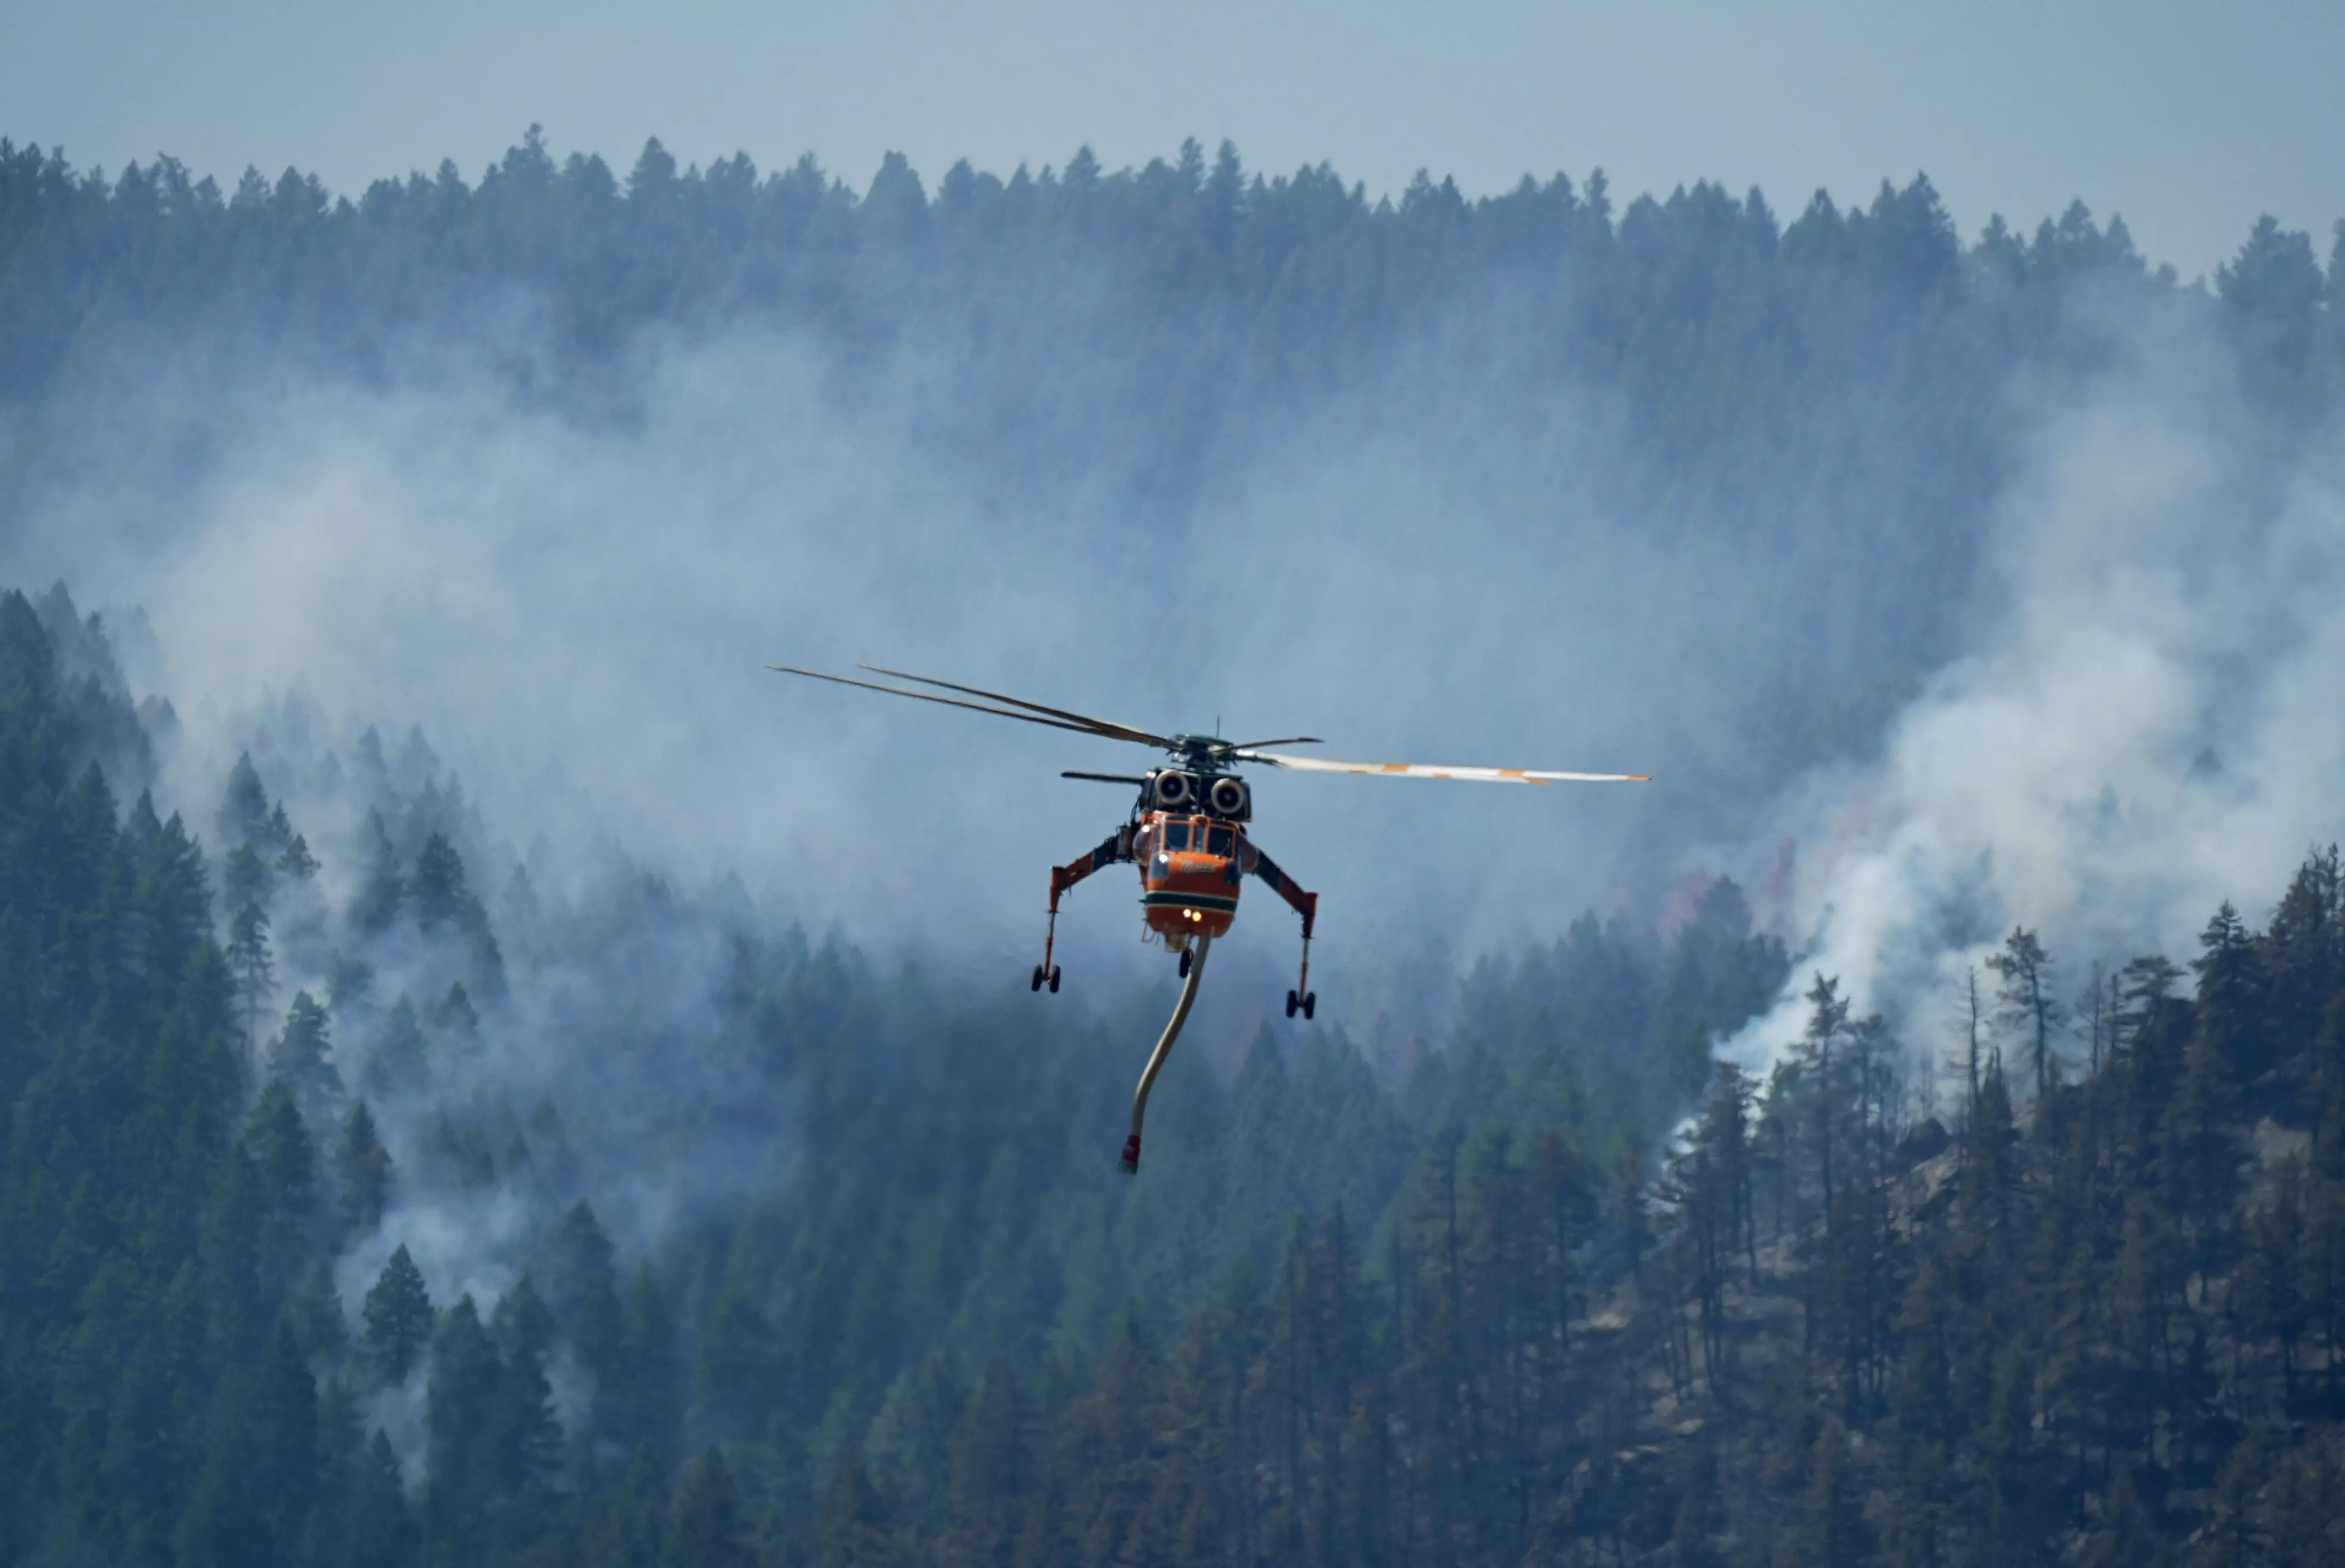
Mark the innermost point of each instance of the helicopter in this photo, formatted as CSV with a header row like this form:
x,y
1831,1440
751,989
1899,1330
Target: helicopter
x,y
1186,832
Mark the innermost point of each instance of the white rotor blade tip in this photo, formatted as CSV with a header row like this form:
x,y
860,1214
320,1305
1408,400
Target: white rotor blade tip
x,y
1437,771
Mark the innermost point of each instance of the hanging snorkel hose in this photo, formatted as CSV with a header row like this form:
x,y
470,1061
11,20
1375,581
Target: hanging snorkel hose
x,y
1163,1048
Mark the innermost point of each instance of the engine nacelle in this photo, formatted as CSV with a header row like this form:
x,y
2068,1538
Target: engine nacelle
x,y
1230,797
1173,790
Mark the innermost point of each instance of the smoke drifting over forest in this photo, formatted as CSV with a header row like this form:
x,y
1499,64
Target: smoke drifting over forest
x,y
1963,710
2141,726
1946,586
577,611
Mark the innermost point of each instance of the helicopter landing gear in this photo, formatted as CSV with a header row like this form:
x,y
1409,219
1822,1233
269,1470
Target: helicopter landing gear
x,y
1302,999
1047,973
1116,847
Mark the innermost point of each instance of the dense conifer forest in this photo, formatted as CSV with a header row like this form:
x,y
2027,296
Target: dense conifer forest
x,y
371,1195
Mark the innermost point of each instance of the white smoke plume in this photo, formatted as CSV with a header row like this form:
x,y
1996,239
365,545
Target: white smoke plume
x,y
2147,725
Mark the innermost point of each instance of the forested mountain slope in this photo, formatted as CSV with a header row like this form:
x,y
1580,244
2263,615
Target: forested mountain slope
x,y
373,1191
1465,1324
222,1201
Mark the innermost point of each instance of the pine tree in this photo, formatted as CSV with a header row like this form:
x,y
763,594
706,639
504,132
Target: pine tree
x,y
297,861
255,970
1827,1022
858,1529
709,1530
286,1471
2025,1003
285,1163
632,1531
1989,1201
583,1255
2302,957
384,890
455,1013
400,1321
363,1166
439,890
458,1399
303,1057
316,1319
228,1251
2271,297
740,1366
2230,998
520,1440
244,813
639,1408
2272,1272
144,1461
379,1529
398,1063
246,878
2202,1151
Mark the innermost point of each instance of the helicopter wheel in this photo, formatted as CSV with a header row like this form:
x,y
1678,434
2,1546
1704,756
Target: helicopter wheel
x,y
1054,979
1291,1003
1187,958
1310,1004
1037,983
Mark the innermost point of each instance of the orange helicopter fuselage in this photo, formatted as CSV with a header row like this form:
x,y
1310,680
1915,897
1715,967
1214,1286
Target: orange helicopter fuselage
x,y
1190,868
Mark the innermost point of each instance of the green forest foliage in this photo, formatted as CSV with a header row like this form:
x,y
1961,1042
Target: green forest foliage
x,y
1469,1323
1231,292
194,1164
1515,1307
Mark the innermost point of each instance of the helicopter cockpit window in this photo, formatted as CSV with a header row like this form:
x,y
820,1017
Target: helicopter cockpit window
x,y
1219,840
1176,835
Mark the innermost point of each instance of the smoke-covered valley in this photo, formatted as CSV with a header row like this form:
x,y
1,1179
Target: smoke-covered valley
x,y
1944,588
1836,605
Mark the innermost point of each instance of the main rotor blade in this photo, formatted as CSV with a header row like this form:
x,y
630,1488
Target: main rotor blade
x,y
1235,746
1102,726
1425,771
948,701
1107,778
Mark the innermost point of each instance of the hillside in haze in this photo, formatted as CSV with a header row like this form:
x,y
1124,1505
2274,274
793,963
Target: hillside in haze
x,y
1781,437
482,1089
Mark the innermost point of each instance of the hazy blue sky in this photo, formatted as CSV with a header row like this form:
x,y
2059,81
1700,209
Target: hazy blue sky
x,y
2189,119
